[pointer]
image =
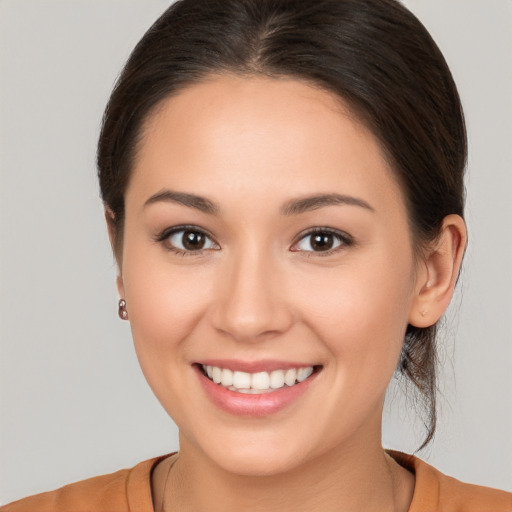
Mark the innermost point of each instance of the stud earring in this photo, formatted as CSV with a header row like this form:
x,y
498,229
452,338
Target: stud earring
x,y
123,314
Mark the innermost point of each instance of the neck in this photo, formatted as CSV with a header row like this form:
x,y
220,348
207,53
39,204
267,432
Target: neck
x,y
347,478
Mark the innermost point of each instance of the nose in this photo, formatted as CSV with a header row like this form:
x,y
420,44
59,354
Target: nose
x,y
252,302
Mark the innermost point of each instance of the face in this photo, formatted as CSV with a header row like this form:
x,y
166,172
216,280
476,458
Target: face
x,y
266,243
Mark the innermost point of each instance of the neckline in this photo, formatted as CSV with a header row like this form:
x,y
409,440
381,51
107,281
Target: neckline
x,y
408,462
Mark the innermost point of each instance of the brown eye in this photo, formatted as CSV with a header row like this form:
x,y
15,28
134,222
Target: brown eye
x,y
322,241
192,240
189,240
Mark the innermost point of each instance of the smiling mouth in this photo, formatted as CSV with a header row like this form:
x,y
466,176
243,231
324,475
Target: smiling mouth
x,y
259,382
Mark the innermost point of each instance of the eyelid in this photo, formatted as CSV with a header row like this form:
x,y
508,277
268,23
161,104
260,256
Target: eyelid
x,y
345,239
166,233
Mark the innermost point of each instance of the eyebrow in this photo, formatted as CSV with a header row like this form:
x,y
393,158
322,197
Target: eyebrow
x,y
291,207
306,204
191,200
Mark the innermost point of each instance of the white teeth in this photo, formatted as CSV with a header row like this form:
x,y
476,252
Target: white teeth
x,y
250,391
304,373
256,383
241,380
227,378
217,374
290,377
260,380
277,379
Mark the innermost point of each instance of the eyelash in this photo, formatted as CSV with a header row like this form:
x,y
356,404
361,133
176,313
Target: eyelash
x,y
167,233
344,239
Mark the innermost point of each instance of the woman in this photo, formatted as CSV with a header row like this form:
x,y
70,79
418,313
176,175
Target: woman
x,y
283,192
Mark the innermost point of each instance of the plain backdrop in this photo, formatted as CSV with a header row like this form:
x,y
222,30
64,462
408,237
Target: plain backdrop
x,y
73,402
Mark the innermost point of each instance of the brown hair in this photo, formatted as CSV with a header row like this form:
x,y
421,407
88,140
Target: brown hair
x,y
374,54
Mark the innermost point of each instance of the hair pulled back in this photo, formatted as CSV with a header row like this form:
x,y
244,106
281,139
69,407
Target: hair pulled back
x,y
374,54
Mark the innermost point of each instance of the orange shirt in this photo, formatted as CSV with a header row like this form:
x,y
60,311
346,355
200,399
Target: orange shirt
x,y
129,490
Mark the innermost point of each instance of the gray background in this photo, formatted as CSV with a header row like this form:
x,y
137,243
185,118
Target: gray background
x,y
73,402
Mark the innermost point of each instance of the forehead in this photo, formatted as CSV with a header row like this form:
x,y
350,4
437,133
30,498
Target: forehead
x,y
254,135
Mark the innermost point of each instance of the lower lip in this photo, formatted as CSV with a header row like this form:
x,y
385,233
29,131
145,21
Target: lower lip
x,y
263,404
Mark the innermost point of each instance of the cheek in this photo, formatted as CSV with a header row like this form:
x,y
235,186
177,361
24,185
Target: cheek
x,y
165,304
360,312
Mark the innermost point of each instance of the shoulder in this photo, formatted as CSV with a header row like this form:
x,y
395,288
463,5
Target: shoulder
x,y
435,491
127,489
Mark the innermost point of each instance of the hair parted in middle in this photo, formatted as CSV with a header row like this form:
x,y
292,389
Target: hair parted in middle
x,y
373,54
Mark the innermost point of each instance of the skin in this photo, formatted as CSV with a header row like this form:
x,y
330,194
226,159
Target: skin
x,y
259,291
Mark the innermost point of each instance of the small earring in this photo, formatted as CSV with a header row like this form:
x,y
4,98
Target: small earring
x,y
123,314
423,312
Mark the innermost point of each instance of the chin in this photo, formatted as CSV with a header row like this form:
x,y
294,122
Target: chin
x,y
257,456
257,464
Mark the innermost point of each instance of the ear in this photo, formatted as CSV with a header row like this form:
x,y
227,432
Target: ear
x,y
437,273
111,227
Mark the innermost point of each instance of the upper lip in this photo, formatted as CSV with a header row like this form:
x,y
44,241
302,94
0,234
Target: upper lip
x,y
265,365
